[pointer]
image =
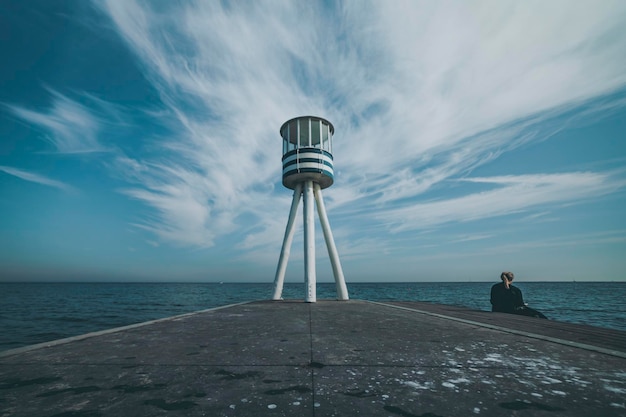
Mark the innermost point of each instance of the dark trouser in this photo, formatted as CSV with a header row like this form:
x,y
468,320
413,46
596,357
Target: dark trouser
x,y
531,312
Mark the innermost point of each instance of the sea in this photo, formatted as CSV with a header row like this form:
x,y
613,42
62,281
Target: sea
x,y
32,313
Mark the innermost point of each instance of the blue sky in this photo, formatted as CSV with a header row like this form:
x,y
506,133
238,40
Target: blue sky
x,y
139,140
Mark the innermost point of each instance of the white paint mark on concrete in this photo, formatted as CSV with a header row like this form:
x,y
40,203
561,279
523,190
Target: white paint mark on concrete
x,y
615,389
417,385
494,357
459,381
577,381
549,381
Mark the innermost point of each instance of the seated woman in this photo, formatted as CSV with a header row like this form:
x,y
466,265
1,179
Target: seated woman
x,y
506,298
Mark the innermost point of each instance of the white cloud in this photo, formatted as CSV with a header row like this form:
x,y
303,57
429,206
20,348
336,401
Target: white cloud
x,y
71,126
36,178
512,194
419,93
461,68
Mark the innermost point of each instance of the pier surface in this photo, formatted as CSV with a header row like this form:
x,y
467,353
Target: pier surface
x,y
330,358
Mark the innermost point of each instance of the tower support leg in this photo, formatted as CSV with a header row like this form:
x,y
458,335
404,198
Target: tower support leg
x,y
279,279
340,282
309,243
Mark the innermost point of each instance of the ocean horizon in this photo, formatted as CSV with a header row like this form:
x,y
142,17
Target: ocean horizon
x,y
37,312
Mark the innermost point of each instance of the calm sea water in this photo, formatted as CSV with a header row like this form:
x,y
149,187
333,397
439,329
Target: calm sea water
x,y
38,312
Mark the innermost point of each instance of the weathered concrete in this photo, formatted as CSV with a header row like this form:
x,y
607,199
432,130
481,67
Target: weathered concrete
x,y
330,358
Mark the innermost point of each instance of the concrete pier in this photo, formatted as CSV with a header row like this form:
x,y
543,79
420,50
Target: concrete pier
x,y
331,358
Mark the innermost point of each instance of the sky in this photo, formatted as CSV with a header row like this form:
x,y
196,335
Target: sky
x,y
139,140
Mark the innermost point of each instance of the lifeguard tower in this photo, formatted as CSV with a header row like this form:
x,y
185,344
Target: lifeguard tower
x,y
307,170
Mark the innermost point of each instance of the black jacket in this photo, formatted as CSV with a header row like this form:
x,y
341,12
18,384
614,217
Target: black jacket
x,y
505,301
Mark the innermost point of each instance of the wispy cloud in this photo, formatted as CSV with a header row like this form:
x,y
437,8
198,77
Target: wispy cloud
x,y
68,125
36,178
420,93
511,194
